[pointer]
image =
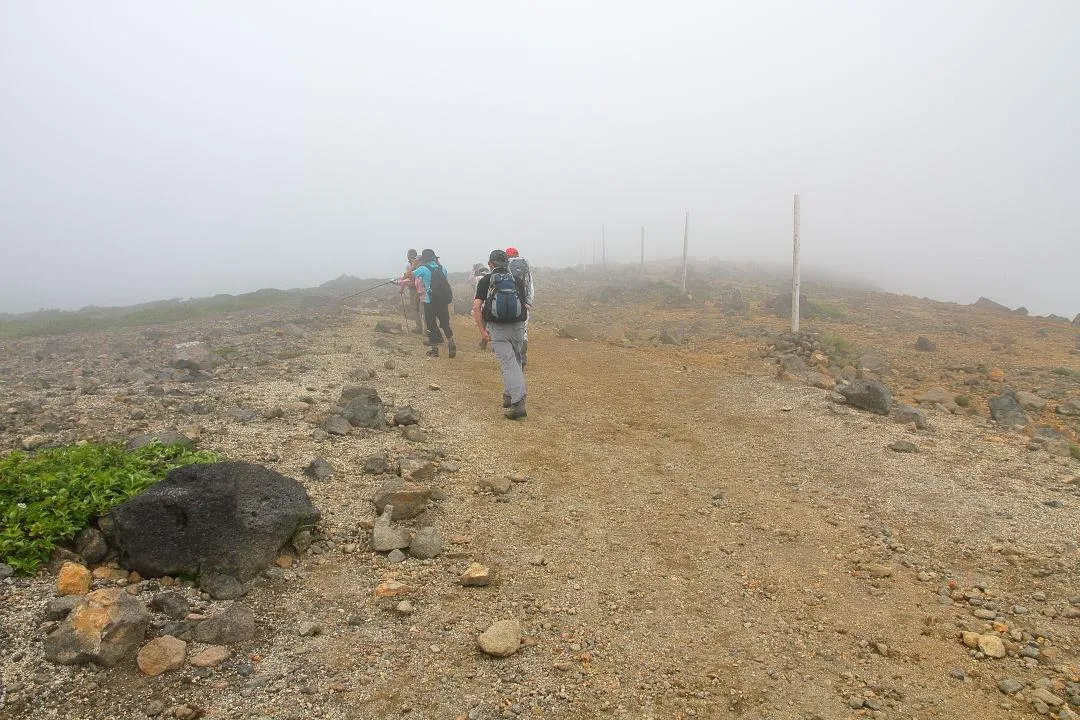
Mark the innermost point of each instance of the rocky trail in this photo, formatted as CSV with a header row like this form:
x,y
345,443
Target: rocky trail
x,y
677,532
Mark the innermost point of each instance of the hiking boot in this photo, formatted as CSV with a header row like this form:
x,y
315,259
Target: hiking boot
x,y
433,352
516,411
506,400
451,350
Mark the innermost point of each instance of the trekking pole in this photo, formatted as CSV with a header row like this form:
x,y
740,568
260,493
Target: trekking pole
x,y
388,282
404,311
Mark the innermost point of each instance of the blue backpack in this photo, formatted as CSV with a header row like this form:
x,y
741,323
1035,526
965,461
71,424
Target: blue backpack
x,y
505,303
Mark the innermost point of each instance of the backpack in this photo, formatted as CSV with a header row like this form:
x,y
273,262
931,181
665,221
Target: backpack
x,y
519,266
505,299
441,292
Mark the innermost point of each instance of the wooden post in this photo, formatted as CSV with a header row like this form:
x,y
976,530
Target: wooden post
x,y
795,271
685,249
642,248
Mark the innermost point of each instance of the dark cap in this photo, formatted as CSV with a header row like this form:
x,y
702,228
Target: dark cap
x,y
411,254
428,255
498,257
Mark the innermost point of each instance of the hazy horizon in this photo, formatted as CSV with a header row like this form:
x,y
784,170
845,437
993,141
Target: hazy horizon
x,y
149,151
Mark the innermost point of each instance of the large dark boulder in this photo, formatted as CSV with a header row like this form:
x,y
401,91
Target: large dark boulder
x,y
1006,409
869,395
228,518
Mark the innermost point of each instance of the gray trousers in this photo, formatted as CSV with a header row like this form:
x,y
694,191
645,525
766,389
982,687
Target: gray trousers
x,y
508,340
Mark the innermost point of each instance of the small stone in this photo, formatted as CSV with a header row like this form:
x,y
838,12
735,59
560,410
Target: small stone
x,y
309,628
161,654
396,557
385,537
406,415
211,656
6,571
91,545
1010,685
336,425
957,674
476,575
970,639
879,571
221,586
74,579
904,446
405,608
991,646
496,485
392,589
502,639
426,544
319,469
538,559
59,608
414,433
1043,695
984,614
235,625
172,604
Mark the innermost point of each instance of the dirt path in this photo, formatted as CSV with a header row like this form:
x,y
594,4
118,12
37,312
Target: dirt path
x,y
716,545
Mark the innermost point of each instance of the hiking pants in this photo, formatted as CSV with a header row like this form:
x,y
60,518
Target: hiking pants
x,y
416,310
440,314
507,340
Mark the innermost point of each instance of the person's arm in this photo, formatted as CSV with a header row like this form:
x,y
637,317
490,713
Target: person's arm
x,y
478,310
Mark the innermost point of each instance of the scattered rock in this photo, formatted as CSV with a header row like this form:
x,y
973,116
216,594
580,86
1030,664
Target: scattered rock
x,y
576,332
364,408
336,425
502,639
106,628
496,485
6,571
74,579
172,604
161,655
221,586
376,464
476,575
417,470
904,446
168,437
196,356
991,646
91,545
229,518
211,656
59,608
906,414
385,537
426,544
869,395
1005,409
235,625
396,557
407,499
388,327
925,344
309,628
414,433
33,442
319,468
406,415
1030,401
1010,685
1069,408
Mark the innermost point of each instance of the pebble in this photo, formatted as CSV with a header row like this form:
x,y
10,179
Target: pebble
x,y
211,656
395,557
501,639
476,575
309,628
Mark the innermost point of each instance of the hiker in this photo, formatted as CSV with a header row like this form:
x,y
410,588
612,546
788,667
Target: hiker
x,y
437,298
519,266
408,284
500,313
479,270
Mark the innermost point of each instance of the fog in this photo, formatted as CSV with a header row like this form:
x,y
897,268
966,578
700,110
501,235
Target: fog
x,y
152,150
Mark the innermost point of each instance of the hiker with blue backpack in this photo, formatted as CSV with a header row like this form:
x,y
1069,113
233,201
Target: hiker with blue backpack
x,y
500,313
437,298
519,266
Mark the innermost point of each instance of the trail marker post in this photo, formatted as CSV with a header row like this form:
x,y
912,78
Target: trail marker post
x,y
795,270
685,249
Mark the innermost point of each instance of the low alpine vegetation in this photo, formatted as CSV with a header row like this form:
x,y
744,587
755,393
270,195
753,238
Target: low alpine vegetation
x,y
47,497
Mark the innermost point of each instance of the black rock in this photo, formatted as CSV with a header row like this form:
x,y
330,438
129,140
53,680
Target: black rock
x,y
869,395
1006,410
91,545
235,625
365,410
59,608
406,415
376,464
172,604
229,518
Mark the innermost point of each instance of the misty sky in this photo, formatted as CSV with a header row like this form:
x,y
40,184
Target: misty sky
x,y
152,150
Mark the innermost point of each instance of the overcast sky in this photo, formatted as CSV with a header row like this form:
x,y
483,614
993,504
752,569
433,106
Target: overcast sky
x,y
152,150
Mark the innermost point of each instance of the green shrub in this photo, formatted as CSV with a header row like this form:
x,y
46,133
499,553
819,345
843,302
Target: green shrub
x,y
1074,451
962,400
47,497
1065,372
837,348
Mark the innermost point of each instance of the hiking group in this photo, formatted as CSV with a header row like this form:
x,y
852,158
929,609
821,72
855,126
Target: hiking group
x,y
504,293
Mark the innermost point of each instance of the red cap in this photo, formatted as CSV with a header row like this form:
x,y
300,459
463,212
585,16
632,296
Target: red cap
x,y
511,252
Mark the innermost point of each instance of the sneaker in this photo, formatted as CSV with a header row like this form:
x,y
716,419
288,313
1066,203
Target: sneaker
x,y
433,352
451,350
516,411
506,400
